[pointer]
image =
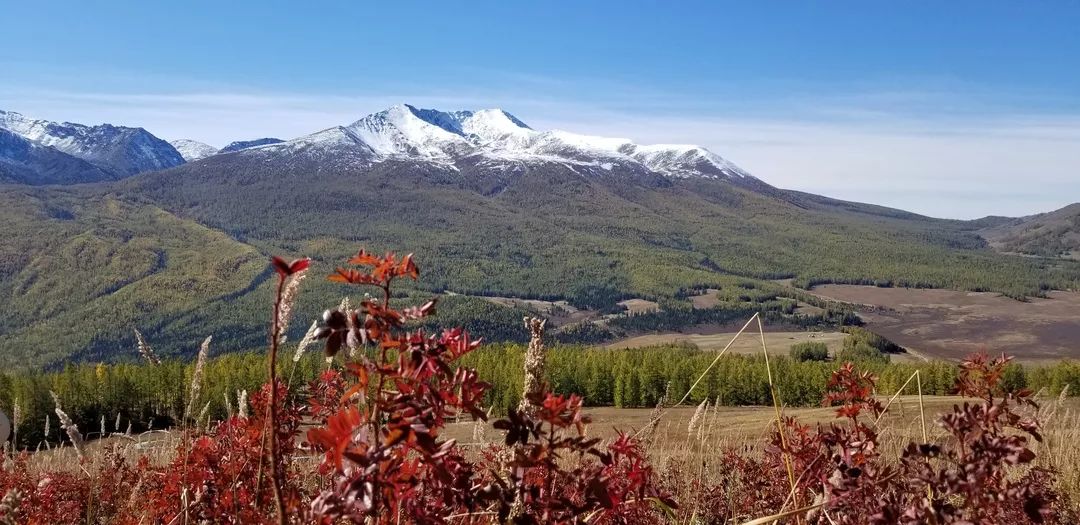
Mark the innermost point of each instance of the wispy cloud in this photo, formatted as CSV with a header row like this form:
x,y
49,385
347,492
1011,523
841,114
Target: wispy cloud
x,y
966,159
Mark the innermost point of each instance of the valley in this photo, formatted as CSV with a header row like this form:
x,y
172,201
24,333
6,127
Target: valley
x,y
515,220
547,263
949,324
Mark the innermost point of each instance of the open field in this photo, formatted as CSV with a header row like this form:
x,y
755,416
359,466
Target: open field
x,y
639,306
951,324
751,426
559,313
748,343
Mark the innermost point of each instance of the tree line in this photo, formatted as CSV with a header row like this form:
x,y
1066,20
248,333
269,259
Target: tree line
x,y
145,396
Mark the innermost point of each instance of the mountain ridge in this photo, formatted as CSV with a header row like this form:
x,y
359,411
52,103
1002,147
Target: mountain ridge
x,y
121,151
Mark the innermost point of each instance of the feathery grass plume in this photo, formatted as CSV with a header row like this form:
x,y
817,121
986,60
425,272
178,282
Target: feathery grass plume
x,y
308,338
9,507
69,426
288,299
346,308
116,425
47,425
242,403
128,431
1047,411
228,404
204,414
197,376
656,414
145,349
102,434
534,364
695,421
479,431
703,427
16,420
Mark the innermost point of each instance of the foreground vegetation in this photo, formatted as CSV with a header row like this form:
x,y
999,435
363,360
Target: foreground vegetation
x,y
108,398
376,420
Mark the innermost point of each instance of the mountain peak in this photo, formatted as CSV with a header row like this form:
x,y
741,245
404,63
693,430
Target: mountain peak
x,y
193,150
406,131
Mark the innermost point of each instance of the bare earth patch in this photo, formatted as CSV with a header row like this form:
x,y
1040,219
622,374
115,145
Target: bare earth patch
x,y
639,306
558,312
748,343
708,299
950,324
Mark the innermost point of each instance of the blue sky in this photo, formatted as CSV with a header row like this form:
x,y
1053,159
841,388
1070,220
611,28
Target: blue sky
x,y
956,109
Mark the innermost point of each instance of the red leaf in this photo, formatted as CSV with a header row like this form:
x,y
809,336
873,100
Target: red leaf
x,y
285,269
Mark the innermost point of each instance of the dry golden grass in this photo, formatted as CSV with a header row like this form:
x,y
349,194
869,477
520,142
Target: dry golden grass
x,y
747,430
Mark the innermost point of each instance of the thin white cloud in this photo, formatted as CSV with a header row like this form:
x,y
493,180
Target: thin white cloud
x,y
963,164
959,169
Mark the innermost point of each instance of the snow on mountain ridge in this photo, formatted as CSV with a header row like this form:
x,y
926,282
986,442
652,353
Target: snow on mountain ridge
x,y
248,144
193,150
405,130
118,149
439,136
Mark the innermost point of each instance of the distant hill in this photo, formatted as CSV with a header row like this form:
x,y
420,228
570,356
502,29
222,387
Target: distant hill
x,y
1053,234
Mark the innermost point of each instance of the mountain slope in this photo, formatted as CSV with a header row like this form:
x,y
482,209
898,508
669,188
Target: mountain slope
x,y
118,150
1053,234
517,226
79,269
23,162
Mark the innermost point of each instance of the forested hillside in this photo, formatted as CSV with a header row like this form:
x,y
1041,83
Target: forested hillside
x,y
177,252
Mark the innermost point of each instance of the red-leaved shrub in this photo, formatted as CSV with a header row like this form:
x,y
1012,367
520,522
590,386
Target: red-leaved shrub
x,y
375,451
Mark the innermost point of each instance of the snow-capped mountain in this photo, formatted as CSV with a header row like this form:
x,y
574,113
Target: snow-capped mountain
x,y
245,144
24,162
193,150
119,150
495,138
489,142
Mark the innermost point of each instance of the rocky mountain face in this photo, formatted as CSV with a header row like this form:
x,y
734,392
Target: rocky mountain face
x,y
116,151
24,162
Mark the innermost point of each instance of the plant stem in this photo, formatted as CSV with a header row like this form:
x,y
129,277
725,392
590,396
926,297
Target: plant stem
x,y
275,477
